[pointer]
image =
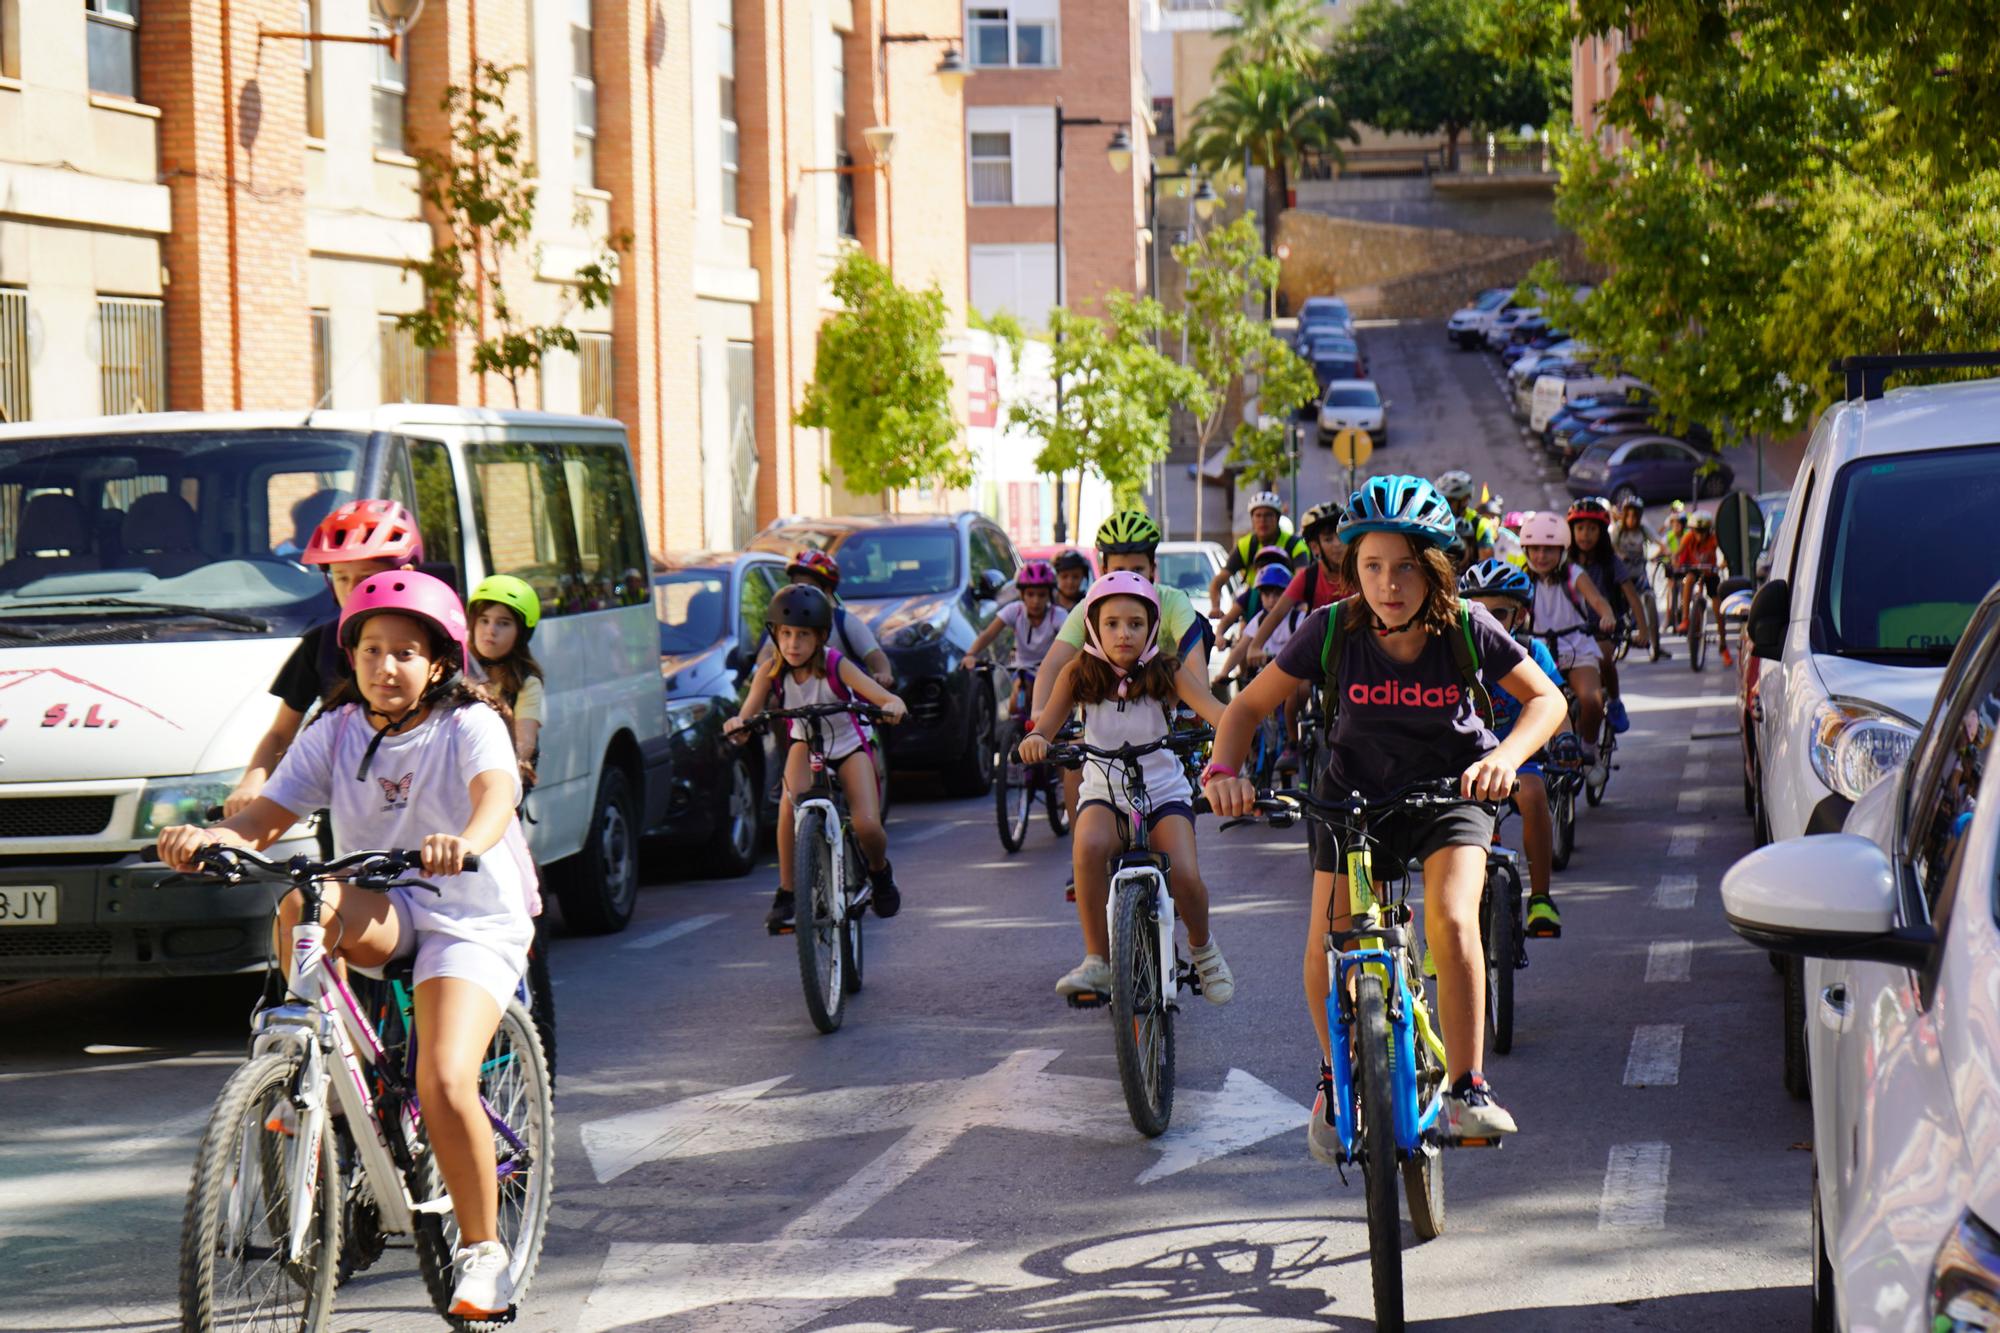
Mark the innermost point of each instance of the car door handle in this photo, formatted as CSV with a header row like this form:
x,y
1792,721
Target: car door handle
x,y
1835,1010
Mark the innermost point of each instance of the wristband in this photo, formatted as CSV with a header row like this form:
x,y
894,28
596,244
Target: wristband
x,y
1215,770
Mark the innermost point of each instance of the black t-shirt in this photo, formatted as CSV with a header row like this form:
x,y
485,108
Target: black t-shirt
x,y
314,667
1402,722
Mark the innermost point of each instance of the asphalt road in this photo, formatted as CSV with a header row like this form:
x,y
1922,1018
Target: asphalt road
x,y
958,1157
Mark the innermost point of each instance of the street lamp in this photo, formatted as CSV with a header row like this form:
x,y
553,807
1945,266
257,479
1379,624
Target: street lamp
x,y
951,69
397,16
1119,153
1205,200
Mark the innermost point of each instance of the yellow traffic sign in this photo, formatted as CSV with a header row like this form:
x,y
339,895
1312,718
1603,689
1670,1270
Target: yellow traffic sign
x,y
1352,447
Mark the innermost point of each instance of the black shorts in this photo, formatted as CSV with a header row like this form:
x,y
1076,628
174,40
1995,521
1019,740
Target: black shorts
x,y
1153,817
1408,836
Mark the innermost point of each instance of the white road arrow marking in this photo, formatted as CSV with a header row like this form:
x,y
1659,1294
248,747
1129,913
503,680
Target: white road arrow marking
x,y
622,1142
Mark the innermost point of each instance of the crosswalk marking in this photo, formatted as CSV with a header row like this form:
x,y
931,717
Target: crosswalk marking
x,y
1691,801
1685,842
1675,893
1696,771
1655,1058
1669,960
1635,1188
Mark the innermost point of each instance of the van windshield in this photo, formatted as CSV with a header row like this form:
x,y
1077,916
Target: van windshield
x,y
191,534
1911,554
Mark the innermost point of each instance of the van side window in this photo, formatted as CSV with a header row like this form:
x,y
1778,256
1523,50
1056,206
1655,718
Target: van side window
x,y
521,499
610,541
436,509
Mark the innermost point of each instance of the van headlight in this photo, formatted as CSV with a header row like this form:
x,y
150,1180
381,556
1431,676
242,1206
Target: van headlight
x,y
1856,745
1965,1280
170,801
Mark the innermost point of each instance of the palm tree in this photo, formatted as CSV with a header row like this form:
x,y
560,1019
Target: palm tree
x,y
1269,115
1274,32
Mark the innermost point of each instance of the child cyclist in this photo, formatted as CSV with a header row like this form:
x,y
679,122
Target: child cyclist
x,y
1072,572
1317,585
1590,549
1035,622
505,611
1507,593
1126,683
1404,637
1568,615
408,753
804,672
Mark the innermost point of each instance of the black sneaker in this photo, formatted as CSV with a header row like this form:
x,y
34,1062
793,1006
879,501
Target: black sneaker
x,y
779,919
888,898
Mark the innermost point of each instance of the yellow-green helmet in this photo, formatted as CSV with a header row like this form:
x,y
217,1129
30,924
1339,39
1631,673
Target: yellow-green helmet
x,y
510,592
1128,532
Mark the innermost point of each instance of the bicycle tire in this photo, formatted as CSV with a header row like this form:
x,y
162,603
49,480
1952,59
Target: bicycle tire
x,y
817,921
1377,1134
1500,930
1562,815
1697,639
1593,788
853,954
1649,603
1139,991
247,1099
1056,804
1013,796
1423,1170
514,1081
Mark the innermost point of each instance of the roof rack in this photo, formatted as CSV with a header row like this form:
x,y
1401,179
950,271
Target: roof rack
x,y
1868,375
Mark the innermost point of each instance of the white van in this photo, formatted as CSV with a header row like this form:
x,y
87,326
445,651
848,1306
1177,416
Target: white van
x,y
150,591
1555,390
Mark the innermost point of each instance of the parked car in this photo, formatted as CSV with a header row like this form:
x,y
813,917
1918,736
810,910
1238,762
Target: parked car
x,y
1749,671
711,611
1049,553
926,584
1573,445
1500,328
1556,389
1190,566
1652,467
1328,369
1324,312
1325,345
1893,923
1567,431
1467,326
1353,404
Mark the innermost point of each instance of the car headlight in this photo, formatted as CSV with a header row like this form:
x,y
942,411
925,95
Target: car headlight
x,y
919,633
685,713
170,801
1855,745
1965,1280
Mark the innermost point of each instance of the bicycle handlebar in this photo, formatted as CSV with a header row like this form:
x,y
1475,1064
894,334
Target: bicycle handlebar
x,y
377,870
867,712
1281,809
1071,754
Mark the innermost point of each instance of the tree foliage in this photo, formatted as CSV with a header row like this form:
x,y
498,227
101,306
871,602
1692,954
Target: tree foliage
x,y
1287,33
1270,114
880,388
482,186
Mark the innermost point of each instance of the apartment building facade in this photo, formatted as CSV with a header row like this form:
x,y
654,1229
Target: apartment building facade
x,y
199,212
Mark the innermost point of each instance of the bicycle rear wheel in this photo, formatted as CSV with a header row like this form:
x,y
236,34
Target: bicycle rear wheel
x,y
1013,797
1499,928
514,1087
819,920
1377,1134
1142,1015
1052,797
851,951
235,1272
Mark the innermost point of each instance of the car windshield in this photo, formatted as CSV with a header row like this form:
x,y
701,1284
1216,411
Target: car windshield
x,y
1491,299
1353,398
898,562
692,605
1334,368
193,533
1911,554
1189,571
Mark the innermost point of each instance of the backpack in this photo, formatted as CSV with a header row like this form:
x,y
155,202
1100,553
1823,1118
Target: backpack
x,y
1464,655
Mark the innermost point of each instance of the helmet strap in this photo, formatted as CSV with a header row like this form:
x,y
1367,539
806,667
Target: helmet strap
x,y
393,725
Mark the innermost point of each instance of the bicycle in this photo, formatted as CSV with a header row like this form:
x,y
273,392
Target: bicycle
x,y
1387,1086
828,872
1016,785
1147,971
1563,781
1697,616
263,1227
1503,934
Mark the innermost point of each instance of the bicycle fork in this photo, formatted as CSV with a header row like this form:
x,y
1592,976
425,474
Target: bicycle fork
x,y
1169,976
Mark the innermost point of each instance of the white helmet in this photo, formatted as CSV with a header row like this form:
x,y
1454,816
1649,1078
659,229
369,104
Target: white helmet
x,y
1267,500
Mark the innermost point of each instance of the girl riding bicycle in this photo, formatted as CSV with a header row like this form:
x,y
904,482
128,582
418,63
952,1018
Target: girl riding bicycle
x,y
1126,683
1035,623
1408,710
1072,572
505,611
800,620
1590,549
1568,614
409,753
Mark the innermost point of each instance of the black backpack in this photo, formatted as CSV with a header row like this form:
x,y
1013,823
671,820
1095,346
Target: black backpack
x,y
1464,655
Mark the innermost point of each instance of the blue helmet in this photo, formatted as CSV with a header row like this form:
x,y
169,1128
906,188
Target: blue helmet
x,y
1274,576
1497,578
1407,505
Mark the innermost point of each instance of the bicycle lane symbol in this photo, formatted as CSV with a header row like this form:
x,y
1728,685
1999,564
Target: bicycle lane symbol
x,y
817,1271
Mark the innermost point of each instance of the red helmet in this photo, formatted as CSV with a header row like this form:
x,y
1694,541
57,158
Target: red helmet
x,y
1593,507
817,563
366,530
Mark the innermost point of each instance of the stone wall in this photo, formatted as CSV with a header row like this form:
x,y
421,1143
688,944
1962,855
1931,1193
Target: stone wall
x,y
1388,272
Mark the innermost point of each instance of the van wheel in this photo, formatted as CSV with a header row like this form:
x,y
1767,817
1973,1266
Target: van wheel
x,y
599,886
733,851
971,773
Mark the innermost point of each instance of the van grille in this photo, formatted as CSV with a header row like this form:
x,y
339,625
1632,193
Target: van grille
x,y
54,816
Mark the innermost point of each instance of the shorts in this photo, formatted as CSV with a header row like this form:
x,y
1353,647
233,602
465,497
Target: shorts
x,y
1409,836
437,954
1574,650
1153,817
1711,579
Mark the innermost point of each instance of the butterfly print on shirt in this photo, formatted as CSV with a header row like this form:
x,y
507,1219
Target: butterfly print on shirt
x,y
396,794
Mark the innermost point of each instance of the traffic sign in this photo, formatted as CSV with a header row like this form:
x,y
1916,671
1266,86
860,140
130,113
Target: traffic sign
x,y
1284,251
1352,447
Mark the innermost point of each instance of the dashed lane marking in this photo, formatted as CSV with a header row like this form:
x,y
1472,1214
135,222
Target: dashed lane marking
x,y
1675,893
668,933
1691,801
1635,1188
1696,771
1655,1058
1669,960
1685,842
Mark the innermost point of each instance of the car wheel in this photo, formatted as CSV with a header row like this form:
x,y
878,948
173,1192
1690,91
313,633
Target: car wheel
x,y
599,886
733,851
971,773
1622,495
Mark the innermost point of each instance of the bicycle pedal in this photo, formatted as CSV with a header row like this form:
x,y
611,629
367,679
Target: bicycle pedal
x,y
1088,1000
782,930
1472,1143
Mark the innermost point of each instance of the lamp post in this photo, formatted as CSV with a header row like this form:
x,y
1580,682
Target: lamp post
x,y
1119,153
951,71
1202,201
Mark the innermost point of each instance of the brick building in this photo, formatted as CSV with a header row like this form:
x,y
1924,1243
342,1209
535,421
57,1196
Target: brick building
x,y
195,214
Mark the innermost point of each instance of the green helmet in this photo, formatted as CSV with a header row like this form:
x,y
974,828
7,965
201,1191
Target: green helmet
x,y
1128,532
510,592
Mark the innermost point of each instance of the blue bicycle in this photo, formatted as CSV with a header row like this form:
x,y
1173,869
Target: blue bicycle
x,y
1388,1081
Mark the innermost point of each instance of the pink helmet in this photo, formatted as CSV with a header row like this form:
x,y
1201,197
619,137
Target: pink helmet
x,y
1124,583
1036,574
1544,527
365,530
1511,520
405,593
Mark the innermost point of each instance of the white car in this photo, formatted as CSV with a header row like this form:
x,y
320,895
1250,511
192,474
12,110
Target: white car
x,y
1885,548
1190,566
1353,405
1503,324
1467,326
1896,921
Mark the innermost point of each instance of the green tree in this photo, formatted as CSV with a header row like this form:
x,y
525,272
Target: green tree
x,y
1271,115
880,389
1288,33
482,186
1119,392
1228,276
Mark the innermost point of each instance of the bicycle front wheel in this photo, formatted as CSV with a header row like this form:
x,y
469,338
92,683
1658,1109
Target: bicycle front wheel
x,y
1051,788
820,922
1013,798
1500,927
1142,1016
1562,814
1697,638
237,1270
1377,1133
1650,604
515,1090
1423,1171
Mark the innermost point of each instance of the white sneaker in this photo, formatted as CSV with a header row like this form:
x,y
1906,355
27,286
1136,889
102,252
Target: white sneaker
x,y
1218,986
1471,1111
1092,976
485,1287
1322,1139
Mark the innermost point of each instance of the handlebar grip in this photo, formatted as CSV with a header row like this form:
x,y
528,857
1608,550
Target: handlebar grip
x,y
471,862
211,814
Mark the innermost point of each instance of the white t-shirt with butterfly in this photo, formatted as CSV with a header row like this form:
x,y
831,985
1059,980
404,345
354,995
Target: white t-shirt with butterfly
x,y
415,786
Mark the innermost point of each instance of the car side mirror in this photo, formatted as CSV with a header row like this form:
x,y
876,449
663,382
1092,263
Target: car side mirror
x,y
736,659
991,581
1770,613
1828,895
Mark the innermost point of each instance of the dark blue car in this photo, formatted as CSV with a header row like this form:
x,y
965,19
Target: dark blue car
x,y
1648,467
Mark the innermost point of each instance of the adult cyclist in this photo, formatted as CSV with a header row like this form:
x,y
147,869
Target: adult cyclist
x,y
1267,517
1318,584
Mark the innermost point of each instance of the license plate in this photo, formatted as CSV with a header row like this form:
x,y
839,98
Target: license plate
x,y
27,905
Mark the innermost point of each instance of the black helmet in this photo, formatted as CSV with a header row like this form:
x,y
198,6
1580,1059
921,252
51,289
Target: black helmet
x,y
1071,558
801,605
